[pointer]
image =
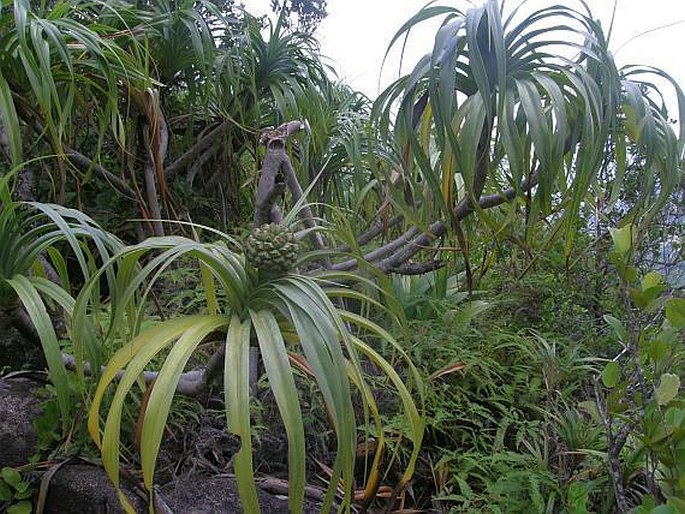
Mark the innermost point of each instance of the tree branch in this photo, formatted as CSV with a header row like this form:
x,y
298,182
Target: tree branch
x,y
201,161
190,383
270,185
381,252
379,227
78,158
197,149
85,163
438,228
277,162
613,451
418,268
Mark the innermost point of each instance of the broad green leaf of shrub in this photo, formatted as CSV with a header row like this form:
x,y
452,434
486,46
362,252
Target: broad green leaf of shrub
x,y
675,417
23,507
651,279
668,388
617,326
675,312
5,492
659,349
610,374
11,476
623,239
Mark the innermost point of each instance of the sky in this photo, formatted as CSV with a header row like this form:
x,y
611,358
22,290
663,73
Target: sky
x,y
356,34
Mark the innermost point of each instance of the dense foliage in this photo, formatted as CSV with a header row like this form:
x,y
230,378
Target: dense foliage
x,y
470,295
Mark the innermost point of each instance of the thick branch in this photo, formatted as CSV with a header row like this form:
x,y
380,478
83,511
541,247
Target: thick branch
x,y
85,163
152,199
190,383
418,268
200,162
381,252
378,228
276,161
270,186
21,320
197,149
406,248
438,228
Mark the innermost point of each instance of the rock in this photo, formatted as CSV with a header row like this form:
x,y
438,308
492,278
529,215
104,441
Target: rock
x,y
206,495
81,488
85,489
16,350
18,408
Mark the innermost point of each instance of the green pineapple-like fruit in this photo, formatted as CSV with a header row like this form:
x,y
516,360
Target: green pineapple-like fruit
x,y
272,249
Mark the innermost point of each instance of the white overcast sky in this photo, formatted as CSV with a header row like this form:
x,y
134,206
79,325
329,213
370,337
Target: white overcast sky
x,y
356,33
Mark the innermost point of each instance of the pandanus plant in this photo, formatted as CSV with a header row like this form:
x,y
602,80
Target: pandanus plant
x,y
289,316
522,108
34,240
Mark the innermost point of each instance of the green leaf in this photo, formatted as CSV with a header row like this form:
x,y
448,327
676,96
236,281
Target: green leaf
x,y
282,383
578,496
651,297
668,388
237,398
35,307
23,507
134,357
651,279
22,487
663,509
675,417
675,312
320,341
623,239
159,402
652,286
659,349
5,491
617,326
638,298
27,493
627,273
11,476
416,423
611,374
9,121
678,503
469,311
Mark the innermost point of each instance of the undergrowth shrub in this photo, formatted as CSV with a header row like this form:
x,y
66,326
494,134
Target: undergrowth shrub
x,y
508,424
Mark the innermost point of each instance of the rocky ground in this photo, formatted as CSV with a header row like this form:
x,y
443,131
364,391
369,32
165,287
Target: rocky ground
x,y
79,486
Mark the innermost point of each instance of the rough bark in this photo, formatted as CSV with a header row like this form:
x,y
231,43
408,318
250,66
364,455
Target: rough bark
x,y
379,227
152,199
200,162
277,170
196,150
410,247
156,138
270,186
190,383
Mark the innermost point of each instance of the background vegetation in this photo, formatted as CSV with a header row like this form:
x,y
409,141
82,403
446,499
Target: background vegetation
x,y
486,312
